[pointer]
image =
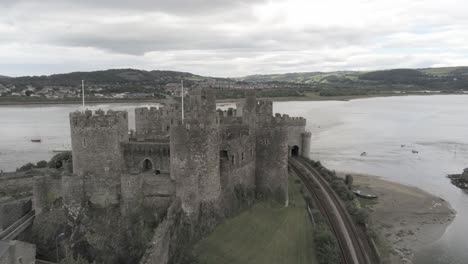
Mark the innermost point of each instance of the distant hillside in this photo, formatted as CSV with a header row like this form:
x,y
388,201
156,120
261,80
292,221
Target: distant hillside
x,y
107,77
395,76
3,77
297,77
444,79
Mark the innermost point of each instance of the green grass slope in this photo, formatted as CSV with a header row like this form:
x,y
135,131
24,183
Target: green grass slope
x,y
266,233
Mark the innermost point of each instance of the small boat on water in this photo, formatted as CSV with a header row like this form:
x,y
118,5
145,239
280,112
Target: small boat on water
x,y
36,140
361,194
415,151
363,154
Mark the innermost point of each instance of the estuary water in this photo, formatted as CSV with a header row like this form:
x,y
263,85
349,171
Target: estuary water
x,y
50,123
388,129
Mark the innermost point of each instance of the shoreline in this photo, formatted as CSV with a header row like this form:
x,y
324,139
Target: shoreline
x,y
406,217
274,99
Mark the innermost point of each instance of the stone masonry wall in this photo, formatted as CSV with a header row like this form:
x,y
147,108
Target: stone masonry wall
x,y
46,191
136,152
271,163
96,142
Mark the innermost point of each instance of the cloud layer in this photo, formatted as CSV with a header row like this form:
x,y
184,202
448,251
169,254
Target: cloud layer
x,y
230,38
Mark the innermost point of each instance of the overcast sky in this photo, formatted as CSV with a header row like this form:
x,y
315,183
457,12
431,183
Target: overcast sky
x,y
229,38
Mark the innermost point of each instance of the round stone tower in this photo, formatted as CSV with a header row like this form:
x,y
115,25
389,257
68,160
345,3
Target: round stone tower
x,y
306,144
97,155
271,169
96,141
194,153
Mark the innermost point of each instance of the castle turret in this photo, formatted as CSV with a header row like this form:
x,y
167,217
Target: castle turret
x,y
306,144
195,153
97,156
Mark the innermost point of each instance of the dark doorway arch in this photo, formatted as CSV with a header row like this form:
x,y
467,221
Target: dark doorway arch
x,y
295,151
147,165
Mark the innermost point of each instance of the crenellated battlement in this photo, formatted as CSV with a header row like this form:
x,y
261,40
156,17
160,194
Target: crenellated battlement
x,y
286,120
155,112
98,119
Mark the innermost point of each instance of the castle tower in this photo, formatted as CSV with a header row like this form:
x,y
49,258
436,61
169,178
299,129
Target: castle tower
x,y
249,110
306,144
97,156
194,153
271,155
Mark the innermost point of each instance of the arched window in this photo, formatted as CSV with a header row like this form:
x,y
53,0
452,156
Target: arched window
x,y
147,165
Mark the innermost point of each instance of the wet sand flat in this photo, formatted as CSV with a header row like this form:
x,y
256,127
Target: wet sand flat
x,y
407,217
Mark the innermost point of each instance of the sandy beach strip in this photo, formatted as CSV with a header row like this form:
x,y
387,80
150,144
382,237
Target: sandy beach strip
x,y
407,217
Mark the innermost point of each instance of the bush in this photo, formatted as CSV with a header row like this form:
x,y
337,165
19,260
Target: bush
x,y
57,160
326,245
342,190
361,215
41,164
26,167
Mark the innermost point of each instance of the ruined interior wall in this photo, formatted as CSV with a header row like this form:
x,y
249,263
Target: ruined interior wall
x,y
46,190
169,239
136,152
238,162
130,191
72,191
102,190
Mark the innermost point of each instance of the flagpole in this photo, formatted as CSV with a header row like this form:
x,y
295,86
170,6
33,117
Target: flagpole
x,y
82,93
182,86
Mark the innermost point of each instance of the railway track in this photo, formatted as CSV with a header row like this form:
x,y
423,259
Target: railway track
x,y
352,249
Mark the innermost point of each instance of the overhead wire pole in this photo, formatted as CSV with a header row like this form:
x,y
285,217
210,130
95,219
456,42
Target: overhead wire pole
x,y
182,87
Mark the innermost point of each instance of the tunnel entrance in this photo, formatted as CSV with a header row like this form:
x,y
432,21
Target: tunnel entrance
x,y
147,165
295,151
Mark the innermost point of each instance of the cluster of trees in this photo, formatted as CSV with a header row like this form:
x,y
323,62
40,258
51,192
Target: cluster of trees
x,y
359,214
56,162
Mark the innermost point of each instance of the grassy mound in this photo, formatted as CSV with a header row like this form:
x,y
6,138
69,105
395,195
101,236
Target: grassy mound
x,y
266,233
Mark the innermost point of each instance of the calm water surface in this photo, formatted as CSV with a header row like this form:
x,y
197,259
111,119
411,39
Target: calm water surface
x,y
436,126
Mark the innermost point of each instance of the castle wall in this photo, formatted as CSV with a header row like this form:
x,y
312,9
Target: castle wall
x,y
131,194
46,190
154,191
11,211
155,121
136,152
73,191
237,162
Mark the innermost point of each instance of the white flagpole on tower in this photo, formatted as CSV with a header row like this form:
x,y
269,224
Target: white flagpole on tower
x,y
82,93
182,87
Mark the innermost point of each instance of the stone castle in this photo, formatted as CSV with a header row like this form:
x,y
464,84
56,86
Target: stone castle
x,y
202,156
